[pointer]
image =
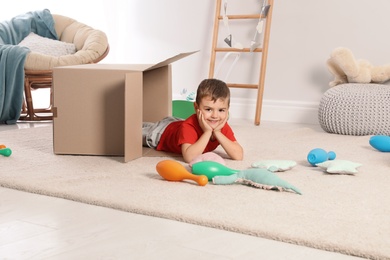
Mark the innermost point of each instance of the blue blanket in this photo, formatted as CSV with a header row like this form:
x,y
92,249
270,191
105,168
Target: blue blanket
x,y
12,58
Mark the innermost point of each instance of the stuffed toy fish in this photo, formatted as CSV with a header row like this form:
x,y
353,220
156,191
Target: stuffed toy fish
x,y
260,178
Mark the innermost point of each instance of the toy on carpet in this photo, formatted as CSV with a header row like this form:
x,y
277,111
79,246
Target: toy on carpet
x,y
380,142
260,178
209,156
5,151
211,169
319,155
339,166
174,171
275,165
346,69
256,177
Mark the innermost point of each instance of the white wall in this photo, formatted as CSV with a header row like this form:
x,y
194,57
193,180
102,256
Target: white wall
x,y
303,34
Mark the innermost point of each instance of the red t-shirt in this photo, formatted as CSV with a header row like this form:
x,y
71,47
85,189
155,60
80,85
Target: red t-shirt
x,y
188,131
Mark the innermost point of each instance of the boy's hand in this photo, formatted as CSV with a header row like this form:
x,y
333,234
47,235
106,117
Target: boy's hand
x,y
202,122
221,125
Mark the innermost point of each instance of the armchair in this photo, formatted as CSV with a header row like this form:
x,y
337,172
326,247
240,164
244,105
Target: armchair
x,y
91,46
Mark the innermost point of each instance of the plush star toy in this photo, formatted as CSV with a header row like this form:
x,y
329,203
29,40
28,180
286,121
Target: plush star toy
x,y
339,166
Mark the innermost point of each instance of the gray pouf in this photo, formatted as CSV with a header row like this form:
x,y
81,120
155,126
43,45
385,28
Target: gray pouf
x,y
356,109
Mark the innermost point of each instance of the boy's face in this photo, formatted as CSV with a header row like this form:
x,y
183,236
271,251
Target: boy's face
x,y
214,113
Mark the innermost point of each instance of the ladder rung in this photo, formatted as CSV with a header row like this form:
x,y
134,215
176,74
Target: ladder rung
x,y
241,16
236,85
237,50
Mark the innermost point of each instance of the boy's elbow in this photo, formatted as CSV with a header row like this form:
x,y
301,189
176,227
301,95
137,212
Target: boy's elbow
x,y
239,157
187,157
186,160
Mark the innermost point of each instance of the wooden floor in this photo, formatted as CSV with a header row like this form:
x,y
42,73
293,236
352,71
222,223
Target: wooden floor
x,y
40,227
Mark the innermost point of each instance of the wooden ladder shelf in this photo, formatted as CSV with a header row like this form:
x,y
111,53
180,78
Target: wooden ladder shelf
x,y
263,50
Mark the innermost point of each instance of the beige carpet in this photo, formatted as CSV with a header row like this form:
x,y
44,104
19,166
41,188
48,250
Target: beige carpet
x,y
341,213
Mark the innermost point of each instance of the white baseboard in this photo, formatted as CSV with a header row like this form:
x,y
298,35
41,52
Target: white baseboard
x,y
274,110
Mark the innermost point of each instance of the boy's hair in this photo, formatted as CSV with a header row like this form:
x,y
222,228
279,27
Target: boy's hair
x,y
214,88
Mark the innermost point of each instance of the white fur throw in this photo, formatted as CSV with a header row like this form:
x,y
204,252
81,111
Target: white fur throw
x,y
47,46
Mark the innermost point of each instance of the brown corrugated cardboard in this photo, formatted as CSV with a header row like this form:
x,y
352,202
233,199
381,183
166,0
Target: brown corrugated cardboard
x,y
99,108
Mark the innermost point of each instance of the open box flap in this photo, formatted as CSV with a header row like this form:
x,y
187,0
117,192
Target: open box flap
x,y
171,60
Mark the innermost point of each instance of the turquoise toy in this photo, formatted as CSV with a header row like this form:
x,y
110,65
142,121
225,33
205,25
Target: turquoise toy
x,y
257,177
211,169
260,178
380,142
319,155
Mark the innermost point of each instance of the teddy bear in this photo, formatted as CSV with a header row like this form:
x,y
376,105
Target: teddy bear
x,y
346,69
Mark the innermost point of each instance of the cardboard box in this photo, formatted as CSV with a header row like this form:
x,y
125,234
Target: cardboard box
x,y
99,108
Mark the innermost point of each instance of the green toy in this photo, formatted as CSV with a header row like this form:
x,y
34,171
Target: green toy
x,y
5,151
182,108
211,169
260,178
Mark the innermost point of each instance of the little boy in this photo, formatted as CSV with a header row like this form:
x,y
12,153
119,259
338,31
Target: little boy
x,y
202,132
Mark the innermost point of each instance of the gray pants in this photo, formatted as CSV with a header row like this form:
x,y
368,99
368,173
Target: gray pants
x,y
151,132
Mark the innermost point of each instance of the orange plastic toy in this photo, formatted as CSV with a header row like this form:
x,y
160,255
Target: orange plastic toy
x,y
174,171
